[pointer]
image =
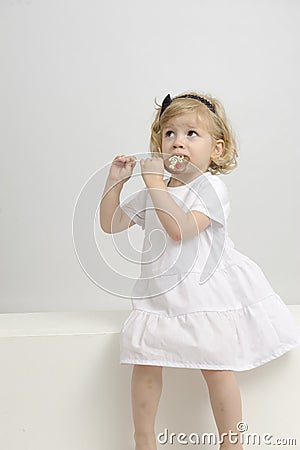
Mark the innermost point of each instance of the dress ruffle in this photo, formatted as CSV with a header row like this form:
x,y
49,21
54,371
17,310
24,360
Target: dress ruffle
x,y
238,339
233,321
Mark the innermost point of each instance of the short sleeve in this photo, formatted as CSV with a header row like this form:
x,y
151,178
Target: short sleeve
x,y
135,207
212,199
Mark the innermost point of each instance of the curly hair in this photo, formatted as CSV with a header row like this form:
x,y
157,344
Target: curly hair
x,y
217,125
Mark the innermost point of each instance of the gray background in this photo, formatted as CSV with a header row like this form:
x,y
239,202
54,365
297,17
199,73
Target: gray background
x,y
78,82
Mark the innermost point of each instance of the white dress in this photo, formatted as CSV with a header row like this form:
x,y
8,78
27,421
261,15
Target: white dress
x,y
199,303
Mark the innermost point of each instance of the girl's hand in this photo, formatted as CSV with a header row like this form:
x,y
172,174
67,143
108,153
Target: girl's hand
x,y
122,168
154,165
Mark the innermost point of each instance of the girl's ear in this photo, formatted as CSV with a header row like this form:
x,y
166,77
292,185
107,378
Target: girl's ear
x,y
219,148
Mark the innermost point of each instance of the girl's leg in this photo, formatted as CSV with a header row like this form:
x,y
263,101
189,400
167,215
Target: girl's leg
x,y
226,404
146,388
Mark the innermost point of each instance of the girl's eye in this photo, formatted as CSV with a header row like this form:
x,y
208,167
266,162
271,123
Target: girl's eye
x,y
168,133
191,131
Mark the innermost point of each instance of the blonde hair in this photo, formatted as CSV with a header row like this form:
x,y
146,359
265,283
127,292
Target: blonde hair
x,y
217,125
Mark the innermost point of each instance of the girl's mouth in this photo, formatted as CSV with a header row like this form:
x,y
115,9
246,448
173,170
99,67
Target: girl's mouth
x,y
178,161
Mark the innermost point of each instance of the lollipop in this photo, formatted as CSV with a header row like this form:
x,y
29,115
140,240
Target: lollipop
x,y
178,161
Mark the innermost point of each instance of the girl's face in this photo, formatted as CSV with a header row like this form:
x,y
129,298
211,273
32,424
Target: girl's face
x,y
186,135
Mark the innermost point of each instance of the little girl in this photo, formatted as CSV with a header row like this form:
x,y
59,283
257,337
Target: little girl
x,y
199,303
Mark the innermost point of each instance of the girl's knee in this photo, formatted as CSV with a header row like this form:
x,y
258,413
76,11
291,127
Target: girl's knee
x,y
215,375
147,373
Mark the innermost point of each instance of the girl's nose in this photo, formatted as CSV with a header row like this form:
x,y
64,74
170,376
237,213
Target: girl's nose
x,y
178,142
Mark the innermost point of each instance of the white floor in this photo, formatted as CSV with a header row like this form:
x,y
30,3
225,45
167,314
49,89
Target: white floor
x,y
62,388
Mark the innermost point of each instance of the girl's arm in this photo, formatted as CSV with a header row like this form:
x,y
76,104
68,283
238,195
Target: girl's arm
x,y
178,224
112,219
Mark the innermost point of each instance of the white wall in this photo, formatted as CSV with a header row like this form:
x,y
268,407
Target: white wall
x,y
78,82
